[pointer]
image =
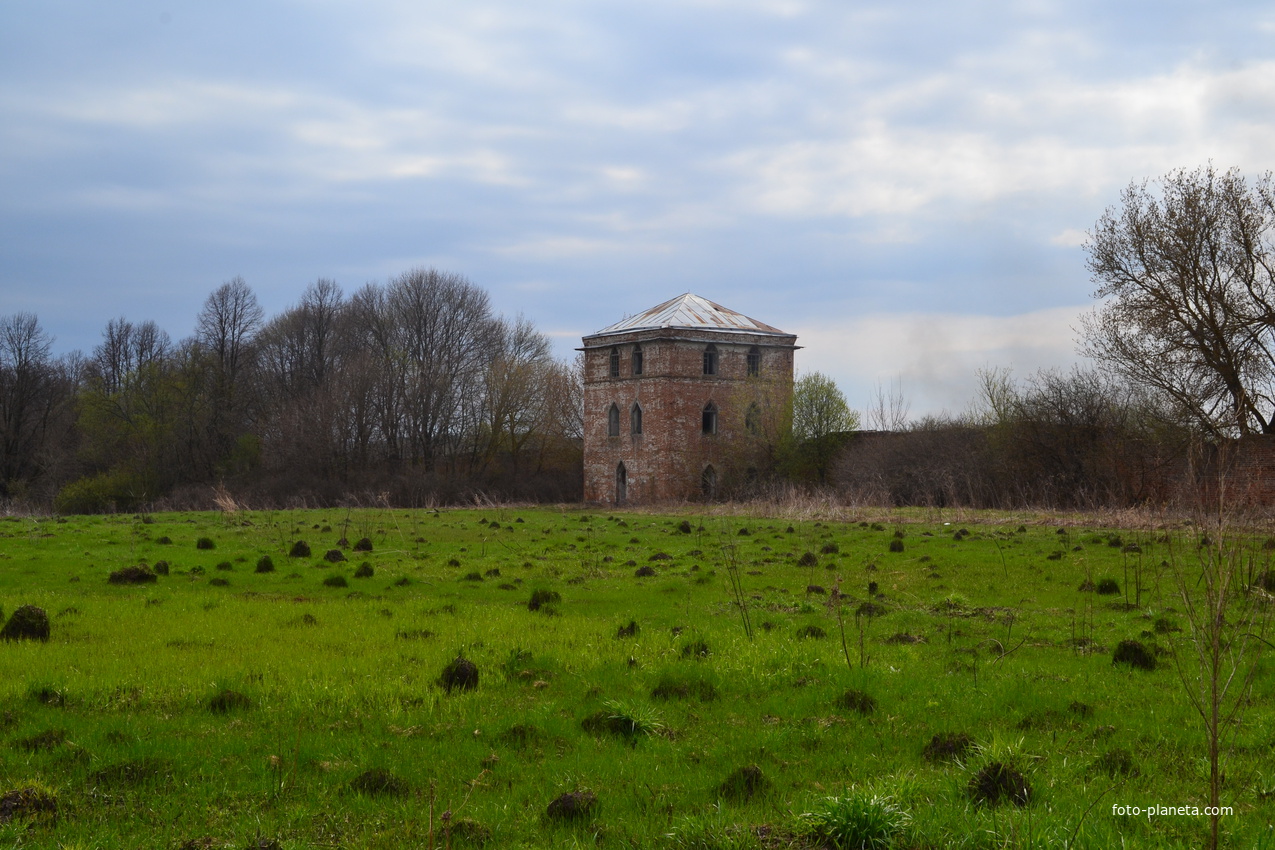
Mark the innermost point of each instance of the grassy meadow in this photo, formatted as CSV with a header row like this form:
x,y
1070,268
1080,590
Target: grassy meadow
x,y
880,675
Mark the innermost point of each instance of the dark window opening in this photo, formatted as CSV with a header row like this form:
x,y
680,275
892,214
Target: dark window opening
x,y
613,421
615,363
621,484
710,360
637,360
710,419
754,362
752,419
635,419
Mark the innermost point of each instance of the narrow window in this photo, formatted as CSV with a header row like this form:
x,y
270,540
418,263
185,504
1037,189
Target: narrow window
x,y
615,362
635,419
621,484
710,418
754,362
710,360
752,419
708,483
613,421
637,360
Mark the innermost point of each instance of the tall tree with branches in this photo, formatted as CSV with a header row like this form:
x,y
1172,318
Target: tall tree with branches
x,y
1186,271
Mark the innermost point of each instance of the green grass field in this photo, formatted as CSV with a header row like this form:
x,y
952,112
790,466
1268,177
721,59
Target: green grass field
x,y
305,706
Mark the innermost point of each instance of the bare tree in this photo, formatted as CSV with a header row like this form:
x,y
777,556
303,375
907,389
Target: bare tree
x,y
1187,271
226,325
29,397
889,409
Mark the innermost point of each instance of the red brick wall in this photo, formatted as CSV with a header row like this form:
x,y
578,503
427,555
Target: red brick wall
x,y
666,461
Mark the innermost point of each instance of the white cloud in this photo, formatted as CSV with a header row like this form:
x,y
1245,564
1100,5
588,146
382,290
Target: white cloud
x,y
935,357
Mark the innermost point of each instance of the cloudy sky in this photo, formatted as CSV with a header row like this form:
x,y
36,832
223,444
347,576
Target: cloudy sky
x,y
905,185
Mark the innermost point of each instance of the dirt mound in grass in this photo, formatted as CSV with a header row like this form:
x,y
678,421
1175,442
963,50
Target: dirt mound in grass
x,y
999,783
696,649
133,772
1133,653
572,806
467,830
744,783
459,674
857,701
379,782
678,688
227,701
363,545
27,803
334,556
543,599
521,735
812,632
948,746
644,572
50,739
300,549
27,623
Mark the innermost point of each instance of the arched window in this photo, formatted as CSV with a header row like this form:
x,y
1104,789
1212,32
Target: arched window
x,y
635,419
615,362
710,360
709,423
754,362
637,360
752,419
708,483
621,484
613,421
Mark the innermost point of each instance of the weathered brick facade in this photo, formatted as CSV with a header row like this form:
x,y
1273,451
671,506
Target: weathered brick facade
x,y
672,394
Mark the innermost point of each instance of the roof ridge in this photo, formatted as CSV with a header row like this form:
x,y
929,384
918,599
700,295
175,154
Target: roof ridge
x,y
690,311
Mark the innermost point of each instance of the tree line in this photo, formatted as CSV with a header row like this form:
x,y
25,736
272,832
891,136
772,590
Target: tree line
x,y
1181,382
415,391
408,392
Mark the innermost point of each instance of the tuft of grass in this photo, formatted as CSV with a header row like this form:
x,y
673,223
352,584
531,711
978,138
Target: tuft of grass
x,y
860,820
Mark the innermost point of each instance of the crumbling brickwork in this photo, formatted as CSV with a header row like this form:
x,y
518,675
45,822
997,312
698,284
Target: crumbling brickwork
x,y
667,402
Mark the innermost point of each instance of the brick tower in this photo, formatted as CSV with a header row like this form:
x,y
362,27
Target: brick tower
x,y
682,401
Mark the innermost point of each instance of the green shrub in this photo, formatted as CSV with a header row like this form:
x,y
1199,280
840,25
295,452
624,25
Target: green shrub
x,y
103,493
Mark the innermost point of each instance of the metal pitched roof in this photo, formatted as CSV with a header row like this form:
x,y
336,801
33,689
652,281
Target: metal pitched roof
x,y
691,312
